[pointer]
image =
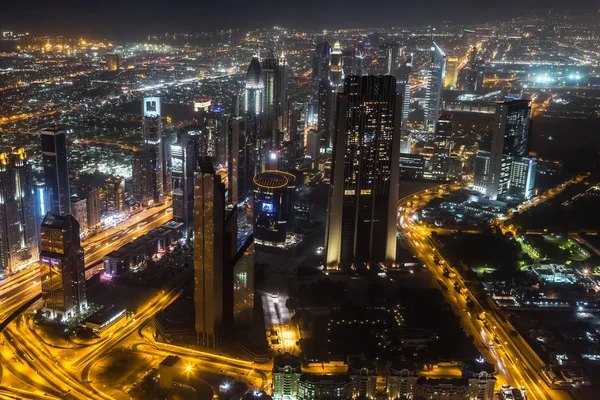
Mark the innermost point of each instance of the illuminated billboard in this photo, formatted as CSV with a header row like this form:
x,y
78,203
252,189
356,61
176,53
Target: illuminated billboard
x,y
151,107
267,207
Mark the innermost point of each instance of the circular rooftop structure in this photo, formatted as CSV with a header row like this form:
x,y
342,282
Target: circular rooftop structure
x,y
274,180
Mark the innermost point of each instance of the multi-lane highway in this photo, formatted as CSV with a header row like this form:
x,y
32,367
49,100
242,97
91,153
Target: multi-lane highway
x,y
19,288
492,334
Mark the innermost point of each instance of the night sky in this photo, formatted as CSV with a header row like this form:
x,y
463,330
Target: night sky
x,y
131,18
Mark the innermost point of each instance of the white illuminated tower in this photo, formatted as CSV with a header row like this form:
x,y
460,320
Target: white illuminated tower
x,y
152,172
435,82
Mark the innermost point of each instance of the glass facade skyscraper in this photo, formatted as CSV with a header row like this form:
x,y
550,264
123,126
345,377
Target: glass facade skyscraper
x,y
361,221
433,91
56,171
18,225
509,139
62,269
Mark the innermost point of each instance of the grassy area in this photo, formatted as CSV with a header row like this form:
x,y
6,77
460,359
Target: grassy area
x,y
553,248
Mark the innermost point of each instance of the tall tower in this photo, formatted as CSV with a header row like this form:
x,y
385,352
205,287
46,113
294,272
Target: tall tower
x,y
361,221
336,74
183,161
509,139
253,110
209,205
442,144
282,95
152,176
62,268
270,69
320,67
435,82
18,230
237,163
56,171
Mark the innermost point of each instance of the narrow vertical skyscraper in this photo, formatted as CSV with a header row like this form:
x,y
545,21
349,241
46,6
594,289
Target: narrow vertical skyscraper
x,y
253,111
183,162
62,270
336,73
237,163
320,67
18,230
56,171
442,144
361,221
282,94
270,70
152,175
209,209
433,91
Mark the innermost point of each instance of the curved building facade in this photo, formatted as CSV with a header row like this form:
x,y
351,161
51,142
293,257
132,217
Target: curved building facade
x,y
273,206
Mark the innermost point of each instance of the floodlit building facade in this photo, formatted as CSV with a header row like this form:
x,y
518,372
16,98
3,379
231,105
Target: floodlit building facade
x,y
361,220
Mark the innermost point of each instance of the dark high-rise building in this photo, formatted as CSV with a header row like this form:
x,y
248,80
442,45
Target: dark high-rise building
x,y
352,60
238,160
320,67
18,227
361,222
270,70
56,172
182,164
471,76
274,193
62,268
325,113
442,144
394,57
150,180
433,91
243,284
209,204
509,139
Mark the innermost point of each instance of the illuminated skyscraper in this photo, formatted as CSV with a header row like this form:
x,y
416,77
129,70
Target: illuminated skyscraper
x,y
183,162
402,75
442,144
336,74
361,221
450,80
56,171
18,227
282,94
150,179
113,61
62,269
509,139
522,177
209,204
435,82
270,70
253,111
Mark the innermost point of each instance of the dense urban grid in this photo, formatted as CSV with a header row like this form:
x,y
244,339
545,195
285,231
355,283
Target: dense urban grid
x,y
385,213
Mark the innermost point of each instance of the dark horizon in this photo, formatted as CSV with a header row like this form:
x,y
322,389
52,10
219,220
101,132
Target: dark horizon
x,y
135,19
